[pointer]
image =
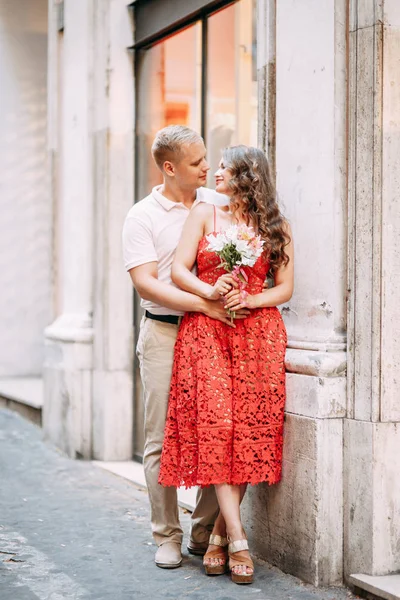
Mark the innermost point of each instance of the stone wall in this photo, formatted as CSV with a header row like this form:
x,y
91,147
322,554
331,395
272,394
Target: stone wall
x,y
372,426
89,347
298,524
26,302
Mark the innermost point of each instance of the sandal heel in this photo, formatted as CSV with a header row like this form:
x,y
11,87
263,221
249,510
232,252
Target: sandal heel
x,y
242,579
215,569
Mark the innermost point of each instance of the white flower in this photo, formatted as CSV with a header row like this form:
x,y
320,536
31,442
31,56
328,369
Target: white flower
x,y
231,234
216,243
243,247
236,240
248,261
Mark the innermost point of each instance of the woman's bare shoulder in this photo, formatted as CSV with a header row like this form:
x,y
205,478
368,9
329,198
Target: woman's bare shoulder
x,y
203,209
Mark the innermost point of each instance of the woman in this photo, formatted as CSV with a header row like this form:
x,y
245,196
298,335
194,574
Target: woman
x,y
226,407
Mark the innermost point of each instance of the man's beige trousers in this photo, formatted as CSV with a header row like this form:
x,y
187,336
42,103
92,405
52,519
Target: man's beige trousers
x,y
155,350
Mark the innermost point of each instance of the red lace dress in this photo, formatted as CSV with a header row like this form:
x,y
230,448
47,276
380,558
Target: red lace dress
x,y
227,397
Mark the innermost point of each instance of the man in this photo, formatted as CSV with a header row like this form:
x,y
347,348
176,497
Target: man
x,y
151,234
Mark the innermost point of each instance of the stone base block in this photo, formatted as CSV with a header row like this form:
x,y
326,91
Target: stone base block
x,y
371,497
67,407
385,587
318,397
112,415
297,524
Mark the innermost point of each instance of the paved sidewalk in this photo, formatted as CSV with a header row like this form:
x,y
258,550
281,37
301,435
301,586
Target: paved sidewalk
x,y
71,531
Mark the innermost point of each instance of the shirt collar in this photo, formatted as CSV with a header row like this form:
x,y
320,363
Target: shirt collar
x,y
168,204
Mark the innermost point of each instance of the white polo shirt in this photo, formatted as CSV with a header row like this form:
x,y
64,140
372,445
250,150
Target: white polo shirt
x,y
151,233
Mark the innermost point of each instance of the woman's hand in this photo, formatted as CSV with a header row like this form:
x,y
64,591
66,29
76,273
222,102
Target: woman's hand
x,y
238,299
223,285
216,310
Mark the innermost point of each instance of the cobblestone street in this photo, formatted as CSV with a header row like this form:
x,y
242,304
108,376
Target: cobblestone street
x,y
70,531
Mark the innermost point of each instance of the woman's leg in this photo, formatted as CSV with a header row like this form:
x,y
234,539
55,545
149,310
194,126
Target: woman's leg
x,y
220,527
229,499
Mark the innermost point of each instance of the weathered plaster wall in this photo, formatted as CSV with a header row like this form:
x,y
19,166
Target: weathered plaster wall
x,y
26,305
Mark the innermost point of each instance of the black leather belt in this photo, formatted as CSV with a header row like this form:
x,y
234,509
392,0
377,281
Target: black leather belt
x,y
173,319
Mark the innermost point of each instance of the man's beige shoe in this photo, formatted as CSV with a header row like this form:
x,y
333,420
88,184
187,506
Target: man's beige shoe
x,y
197,548
168,555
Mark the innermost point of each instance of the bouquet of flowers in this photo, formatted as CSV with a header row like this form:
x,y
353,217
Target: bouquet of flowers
x,y
237,247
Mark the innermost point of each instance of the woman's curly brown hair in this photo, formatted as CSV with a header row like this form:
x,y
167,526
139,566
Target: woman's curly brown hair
x,y
254,198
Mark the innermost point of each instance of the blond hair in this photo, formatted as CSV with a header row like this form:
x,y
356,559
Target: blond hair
x,y
169,141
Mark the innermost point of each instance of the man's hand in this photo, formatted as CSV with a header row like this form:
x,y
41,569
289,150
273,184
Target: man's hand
x,y
215,310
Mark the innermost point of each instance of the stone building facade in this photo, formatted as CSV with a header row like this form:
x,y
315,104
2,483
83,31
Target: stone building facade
x,y
328,110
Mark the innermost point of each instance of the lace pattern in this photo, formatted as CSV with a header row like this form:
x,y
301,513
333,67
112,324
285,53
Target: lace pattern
x,y
227,398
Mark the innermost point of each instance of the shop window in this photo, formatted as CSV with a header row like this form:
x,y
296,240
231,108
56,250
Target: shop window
x,y
203,76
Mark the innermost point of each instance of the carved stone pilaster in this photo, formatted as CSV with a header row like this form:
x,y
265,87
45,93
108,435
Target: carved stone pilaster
x,y
372,439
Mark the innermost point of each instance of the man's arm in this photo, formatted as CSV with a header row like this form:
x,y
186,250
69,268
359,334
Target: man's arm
x,y
148,286
145,279
140,259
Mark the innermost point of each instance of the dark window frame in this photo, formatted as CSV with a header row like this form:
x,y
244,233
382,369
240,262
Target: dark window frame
x,y
165,28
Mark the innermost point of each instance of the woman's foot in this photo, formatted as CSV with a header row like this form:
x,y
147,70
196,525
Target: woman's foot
x,y
217,552
240,562
215,558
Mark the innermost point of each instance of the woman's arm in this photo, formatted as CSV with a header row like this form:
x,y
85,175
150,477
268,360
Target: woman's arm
x,y
280,293
145,279
186,254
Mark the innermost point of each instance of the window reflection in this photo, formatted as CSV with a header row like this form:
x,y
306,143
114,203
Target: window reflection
x,y
169,92
232,80
169,88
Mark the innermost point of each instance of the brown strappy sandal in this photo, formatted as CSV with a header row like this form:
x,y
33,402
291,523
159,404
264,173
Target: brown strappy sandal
x,y
221,553
237,559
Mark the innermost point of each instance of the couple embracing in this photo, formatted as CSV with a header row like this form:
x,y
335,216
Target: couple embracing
x,y
212,343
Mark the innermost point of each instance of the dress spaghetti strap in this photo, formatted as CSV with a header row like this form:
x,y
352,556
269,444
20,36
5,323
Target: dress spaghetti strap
x,y
215,219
